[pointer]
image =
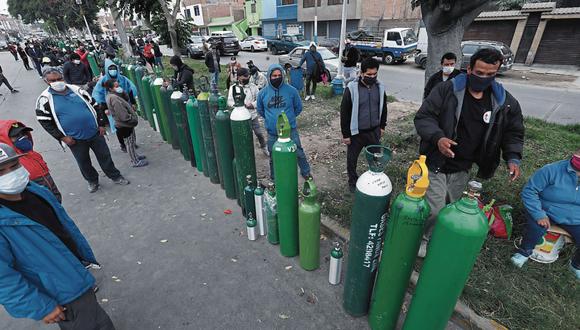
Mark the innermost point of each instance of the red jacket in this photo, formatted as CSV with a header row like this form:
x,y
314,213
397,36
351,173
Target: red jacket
x,y
83,56
33,161
148,51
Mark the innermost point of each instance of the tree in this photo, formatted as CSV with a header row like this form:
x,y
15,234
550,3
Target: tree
x,y
445,22
183,29
60,14
171,17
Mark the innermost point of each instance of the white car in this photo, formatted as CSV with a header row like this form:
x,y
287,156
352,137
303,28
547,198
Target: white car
x,y
293,58
254,43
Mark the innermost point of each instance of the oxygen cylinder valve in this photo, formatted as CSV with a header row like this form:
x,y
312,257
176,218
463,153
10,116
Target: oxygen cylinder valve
x,y
417,178
377,157
474,189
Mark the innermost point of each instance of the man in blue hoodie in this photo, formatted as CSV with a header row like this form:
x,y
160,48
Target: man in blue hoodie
x,y
100,92
274,99
552,196
314,68
43,255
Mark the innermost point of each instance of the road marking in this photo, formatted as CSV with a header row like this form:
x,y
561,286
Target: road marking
x,y
551,112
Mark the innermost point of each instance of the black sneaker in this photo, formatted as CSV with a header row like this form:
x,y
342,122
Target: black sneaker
x,y
124,149
121,181
15,91
93,187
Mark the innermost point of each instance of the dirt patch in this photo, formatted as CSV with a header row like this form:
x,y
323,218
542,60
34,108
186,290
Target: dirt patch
x,y
539,79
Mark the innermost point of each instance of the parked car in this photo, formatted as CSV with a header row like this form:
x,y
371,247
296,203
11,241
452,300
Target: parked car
x,y
225,45
293,58
421,60
331,44
195,47
3,45
286,43
253,43
469,48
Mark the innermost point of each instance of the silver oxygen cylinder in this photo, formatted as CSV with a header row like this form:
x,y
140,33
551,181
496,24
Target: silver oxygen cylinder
x,y
335,270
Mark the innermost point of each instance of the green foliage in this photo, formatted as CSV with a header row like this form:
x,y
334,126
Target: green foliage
x,y
183,29
57,14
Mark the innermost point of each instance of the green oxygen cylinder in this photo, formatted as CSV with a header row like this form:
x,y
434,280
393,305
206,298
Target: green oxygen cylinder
x,y
188,141
93,64
195,132
180,124
213,105
460,231
132,76
138,72
158,107
286,178
149,102
169,120
271,214
211,156
369,214
243,141
309,227
225,148
402,240
249,204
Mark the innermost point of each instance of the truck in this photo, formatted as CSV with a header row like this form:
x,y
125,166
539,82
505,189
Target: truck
x,y
395,46
286,42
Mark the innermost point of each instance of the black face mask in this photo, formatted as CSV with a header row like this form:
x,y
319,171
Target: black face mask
x,y
244,81
369,81
479,84
276,82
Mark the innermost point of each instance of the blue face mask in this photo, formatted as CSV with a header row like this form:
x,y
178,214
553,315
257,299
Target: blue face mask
x,y
23,144
113,73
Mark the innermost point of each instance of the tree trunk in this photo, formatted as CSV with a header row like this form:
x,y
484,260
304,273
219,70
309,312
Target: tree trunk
x,y
173,36
127,51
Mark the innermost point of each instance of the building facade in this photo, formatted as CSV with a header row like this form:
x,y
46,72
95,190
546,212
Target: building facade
x,y
280,17
253,11
329,14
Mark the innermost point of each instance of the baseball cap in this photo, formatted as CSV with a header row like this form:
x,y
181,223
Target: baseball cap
x,y
7,154
17,129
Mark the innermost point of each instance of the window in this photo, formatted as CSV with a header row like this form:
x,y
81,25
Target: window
x,y
298,53
288,2
188,13
309,3
334,2
469,49
253,8
196,11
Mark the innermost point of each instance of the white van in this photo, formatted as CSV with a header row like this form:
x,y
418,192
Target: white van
x,y
222,34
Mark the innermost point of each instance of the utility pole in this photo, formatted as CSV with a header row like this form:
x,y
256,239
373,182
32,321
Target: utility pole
x,y
80,3
316,21
338,81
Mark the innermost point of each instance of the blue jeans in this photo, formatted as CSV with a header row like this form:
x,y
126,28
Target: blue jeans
x,y
159,61
98,145
534,233
302,161
214,78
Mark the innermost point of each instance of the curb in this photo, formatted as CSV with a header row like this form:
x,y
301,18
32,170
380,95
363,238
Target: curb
x,y
462,314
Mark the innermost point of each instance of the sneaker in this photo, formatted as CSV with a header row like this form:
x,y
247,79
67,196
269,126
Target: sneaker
x,y
307,98
140,163
265,151
141,157
519,260
124,149
121,181
423,249
575,271
15,91
313,97
308,177
93,187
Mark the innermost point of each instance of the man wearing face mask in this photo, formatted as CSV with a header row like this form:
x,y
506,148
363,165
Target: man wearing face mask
x,y
35,53
183,76
43,255
447,72
314,68
468,119
258,78
75,72
274,99
363,115
68,114
83,54
19,137
251,92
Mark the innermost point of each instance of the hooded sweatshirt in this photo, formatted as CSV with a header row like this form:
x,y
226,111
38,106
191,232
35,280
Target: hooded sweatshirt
x,y
100,92
32,161
273,101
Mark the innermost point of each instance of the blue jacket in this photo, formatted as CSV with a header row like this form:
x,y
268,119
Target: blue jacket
x,y
100,93
310,59
273,101
37,271
553,192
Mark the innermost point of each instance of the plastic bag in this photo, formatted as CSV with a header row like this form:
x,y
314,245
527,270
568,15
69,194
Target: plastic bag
x,y
500,219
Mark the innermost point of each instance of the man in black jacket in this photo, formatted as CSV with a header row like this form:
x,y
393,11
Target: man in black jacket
x,y
363,115
75,72
212,62
350,58
465,120
35,53
447,72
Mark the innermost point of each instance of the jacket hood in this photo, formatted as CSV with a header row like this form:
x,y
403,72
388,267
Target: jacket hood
x,y
5,126
276,67
108,63
499,93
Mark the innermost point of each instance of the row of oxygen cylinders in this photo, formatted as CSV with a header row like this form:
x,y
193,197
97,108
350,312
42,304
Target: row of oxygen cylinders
x,y
219,143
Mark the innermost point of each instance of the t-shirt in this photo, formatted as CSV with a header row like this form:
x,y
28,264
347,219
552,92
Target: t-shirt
x,y
473,123
38,210
75,117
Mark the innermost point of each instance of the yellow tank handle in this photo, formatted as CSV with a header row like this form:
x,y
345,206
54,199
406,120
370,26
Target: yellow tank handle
x,y
418,178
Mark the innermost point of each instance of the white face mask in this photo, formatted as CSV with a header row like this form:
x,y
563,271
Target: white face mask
x,y
448,69
15,182
77,61
119,90
58,86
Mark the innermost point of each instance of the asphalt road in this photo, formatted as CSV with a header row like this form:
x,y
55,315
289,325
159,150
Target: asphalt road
x,y
406,81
